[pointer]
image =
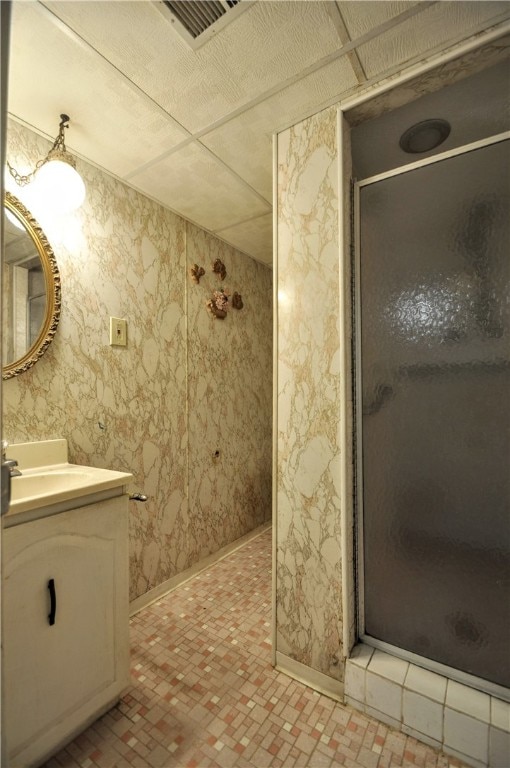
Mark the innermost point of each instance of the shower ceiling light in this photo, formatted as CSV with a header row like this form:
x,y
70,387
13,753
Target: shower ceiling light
x,y
424,136
57,180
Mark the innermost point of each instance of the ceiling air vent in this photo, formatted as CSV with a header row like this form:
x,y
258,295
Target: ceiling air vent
x,y
196,21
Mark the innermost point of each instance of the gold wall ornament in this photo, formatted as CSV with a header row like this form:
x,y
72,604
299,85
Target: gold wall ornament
x,y
36,244
196,273
220,269
218,304
220,301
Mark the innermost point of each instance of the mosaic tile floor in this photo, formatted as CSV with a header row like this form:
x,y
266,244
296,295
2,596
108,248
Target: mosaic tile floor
x,y
204,694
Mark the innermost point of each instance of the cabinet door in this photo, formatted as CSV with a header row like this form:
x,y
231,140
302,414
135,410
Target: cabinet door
x,y
51,671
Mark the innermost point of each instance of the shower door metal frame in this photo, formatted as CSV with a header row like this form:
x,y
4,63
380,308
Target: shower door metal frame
x,y
443,669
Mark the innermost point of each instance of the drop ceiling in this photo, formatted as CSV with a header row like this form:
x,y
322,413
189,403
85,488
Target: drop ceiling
x,y
192,128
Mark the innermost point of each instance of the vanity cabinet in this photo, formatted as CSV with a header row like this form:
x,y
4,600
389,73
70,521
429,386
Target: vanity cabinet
x,y
66,625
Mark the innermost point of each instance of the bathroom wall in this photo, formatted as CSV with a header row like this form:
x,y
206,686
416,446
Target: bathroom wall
x,y
231,493
308,565
186,385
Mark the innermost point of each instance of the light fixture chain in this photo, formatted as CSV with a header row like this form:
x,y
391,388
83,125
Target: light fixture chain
x,y
59,144
23,179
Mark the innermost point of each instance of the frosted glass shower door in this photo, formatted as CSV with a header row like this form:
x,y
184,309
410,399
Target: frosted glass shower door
x,y
434,410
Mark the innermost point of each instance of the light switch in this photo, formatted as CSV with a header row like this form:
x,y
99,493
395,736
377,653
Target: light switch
x,y
118,332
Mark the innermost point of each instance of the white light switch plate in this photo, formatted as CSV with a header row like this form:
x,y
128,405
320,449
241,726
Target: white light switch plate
x,y
118,332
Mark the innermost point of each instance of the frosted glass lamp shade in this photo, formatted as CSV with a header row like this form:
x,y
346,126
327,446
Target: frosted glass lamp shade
x,y
60,186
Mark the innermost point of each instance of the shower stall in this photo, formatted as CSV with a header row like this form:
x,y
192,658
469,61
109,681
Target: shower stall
x,y
433,411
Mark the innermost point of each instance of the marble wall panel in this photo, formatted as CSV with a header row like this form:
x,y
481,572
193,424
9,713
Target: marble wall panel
x,y
124,255
309,594
229,493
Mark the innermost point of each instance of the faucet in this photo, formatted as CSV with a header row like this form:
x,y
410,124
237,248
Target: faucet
x,y
10,463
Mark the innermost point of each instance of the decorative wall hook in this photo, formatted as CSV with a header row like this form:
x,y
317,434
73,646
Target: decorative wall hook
x,y
237,301
196,273
220,269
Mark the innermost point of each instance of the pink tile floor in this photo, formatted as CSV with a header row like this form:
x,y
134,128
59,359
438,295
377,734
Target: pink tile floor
x,y
204,693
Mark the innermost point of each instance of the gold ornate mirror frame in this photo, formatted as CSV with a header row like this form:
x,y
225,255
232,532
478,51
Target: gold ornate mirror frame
x,y
52,286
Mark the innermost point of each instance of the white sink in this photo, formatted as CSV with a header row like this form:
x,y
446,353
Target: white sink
x,y
43,490
53,481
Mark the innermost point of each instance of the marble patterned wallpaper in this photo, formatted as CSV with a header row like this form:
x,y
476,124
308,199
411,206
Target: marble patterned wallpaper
x,y
308,573
185,386
229,492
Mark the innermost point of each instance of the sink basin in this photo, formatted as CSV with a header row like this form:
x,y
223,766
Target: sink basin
x,y
39,484
47,489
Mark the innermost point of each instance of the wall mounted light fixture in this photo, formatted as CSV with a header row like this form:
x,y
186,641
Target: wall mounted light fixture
x,y
57,179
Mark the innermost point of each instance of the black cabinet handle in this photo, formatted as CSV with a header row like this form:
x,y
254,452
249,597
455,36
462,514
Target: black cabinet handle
x,y
53,602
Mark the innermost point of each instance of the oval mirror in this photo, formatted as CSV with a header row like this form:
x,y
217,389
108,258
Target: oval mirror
x,y
31,290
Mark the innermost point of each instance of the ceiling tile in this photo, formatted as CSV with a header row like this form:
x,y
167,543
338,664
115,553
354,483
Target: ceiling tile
x,y
253,129
269,43
253,237
110,123
230,144
361,17
118,67
437,26
195,185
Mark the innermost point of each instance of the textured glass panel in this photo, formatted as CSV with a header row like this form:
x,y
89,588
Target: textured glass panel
x,y
435,332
